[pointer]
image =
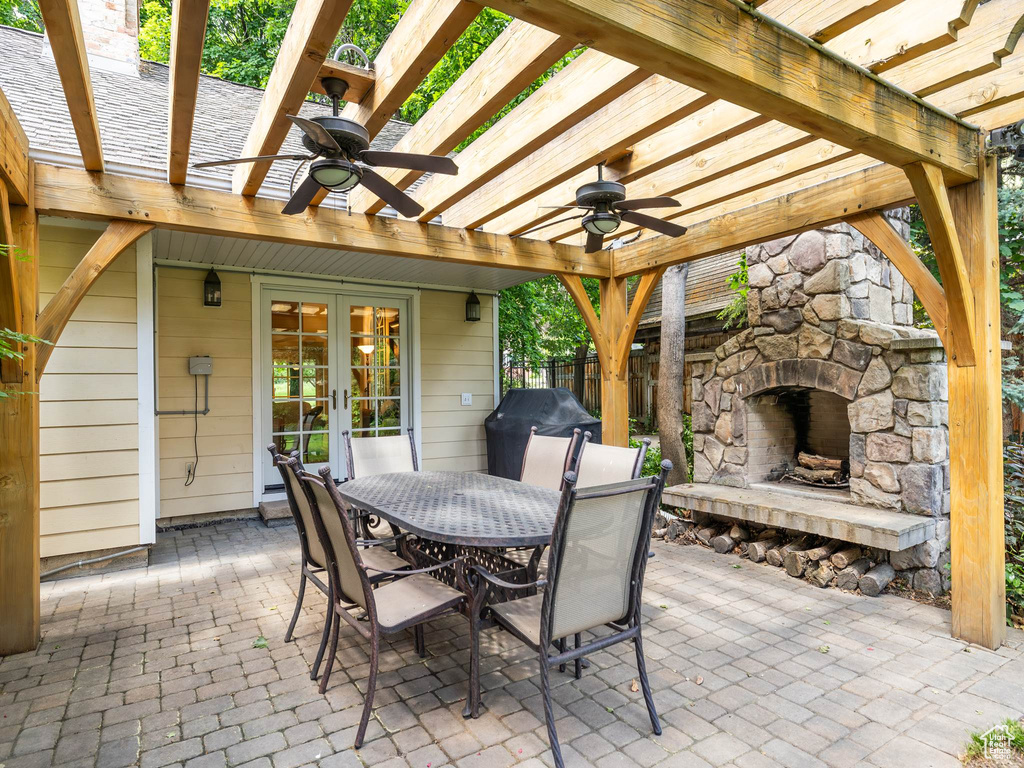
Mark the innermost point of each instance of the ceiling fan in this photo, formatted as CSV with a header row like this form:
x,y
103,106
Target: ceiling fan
x,y
342,158
608,206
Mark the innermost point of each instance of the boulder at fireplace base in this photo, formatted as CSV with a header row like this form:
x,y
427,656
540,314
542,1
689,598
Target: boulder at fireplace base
x,y
830,366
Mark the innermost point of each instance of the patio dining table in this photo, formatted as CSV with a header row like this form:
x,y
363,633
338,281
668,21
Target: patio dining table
x,y
460,508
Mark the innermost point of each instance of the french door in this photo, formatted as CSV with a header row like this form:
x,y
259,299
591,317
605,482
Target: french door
x,y
330,362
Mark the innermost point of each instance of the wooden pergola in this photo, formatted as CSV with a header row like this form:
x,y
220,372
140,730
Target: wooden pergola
x,y
766,119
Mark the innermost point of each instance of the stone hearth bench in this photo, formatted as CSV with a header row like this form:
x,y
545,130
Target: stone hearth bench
x,y
867,526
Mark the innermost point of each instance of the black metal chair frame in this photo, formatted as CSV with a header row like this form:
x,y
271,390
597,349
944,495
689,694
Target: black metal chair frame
x,y
309,569
628,628
369,628
366,520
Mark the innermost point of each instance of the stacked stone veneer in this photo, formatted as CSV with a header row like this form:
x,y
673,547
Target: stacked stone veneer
x,y
829,322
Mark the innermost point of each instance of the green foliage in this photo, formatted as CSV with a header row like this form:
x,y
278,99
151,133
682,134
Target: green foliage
x,y
735,312
539,319
976,743
23,14
652,461
9,341
1013,506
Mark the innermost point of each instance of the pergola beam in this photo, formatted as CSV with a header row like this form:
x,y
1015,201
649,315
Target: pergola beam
x,y
520,55
718,47
188,30
13,154
72,193
311,31
64,29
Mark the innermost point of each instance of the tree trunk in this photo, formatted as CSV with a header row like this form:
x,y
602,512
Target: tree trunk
x,y
671,382
579,372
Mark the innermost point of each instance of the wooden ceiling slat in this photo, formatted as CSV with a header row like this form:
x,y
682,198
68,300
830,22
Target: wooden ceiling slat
x,y
608,133
587,84
986,91
423,35
797,84
520,55
64,30
824,20
188,30
1000,115
314,25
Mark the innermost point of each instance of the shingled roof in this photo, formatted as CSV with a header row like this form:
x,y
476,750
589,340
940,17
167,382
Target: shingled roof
x,y
707,289
132,112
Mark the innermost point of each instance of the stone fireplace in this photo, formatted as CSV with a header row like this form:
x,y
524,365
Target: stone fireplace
x,y
830,369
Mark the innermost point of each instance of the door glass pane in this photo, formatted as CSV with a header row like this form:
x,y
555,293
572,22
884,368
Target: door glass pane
x,y
300,381
374,340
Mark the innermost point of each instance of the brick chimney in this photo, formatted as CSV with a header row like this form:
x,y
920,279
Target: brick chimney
x,y
111,30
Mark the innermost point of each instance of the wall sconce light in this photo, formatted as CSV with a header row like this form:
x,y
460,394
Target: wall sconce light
x,y
472,308
211,290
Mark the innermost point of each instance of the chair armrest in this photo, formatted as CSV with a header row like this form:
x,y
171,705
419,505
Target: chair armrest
x,y
379,542
445,564
493,580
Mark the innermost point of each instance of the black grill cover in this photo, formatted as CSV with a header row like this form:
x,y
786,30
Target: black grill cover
x,y
555,412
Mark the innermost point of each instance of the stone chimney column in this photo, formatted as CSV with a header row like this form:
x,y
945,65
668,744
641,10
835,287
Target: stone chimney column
x,y
111,31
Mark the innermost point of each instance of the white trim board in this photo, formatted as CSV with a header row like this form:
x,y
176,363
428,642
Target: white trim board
x,y
149,454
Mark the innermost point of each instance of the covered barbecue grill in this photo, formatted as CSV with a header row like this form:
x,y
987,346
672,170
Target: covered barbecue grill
x,y
555,412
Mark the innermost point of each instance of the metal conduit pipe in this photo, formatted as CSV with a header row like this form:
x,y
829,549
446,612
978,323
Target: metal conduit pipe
x,y
92,560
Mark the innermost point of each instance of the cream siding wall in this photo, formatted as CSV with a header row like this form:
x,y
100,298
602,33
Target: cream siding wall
x,y
456,357
186,328
88,416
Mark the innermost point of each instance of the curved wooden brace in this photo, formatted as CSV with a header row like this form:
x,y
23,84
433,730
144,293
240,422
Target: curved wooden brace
x,y
112,243
573,284
644,289
880,232
930,189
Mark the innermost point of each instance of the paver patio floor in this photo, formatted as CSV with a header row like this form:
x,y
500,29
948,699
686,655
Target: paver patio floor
x,y
750,668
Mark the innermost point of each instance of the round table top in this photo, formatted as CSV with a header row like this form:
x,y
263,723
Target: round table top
x,y
467,508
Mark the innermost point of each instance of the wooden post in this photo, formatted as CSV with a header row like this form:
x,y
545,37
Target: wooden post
x,y
975,427
615,375
19,460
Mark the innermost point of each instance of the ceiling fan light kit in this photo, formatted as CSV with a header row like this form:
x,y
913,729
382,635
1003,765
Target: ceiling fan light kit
x,y
335,174
601,223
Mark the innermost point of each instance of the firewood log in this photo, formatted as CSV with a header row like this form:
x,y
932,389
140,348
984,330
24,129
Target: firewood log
x,y
758,550
814,461
820,553
723,543
777,556
844,557
796,562
739,533
818,475
705,535
877,579
822,575
849,577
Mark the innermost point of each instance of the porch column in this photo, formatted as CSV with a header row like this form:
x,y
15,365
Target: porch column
x,y
614,366
19,457
975,427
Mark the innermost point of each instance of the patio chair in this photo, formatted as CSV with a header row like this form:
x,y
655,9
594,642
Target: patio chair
x,y
547,459
368,456
391,608
601,464
595,581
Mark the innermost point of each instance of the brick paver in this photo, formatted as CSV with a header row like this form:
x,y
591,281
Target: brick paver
x,y
156,667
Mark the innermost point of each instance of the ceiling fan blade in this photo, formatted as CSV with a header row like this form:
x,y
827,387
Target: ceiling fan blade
x,y
559,207
658,225
316,132
252,160
390,194
594,242
548,224
303,197
647,202
412,161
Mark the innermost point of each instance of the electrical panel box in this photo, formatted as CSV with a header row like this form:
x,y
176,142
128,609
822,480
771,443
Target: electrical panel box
x,y
201,365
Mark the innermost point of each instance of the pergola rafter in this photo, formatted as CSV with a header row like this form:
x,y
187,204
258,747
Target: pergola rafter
x,y
759,132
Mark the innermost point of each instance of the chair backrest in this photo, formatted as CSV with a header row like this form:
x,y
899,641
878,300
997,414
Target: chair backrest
x,y
368,456
547,459
602,464
308,538
599,555
336,535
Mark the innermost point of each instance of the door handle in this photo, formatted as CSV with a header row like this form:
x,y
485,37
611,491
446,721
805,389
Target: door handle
x,y
346,399
334,399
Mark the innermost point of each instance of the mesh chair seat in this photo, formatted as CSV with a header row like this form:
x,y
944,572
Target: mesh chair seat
x,y
521,616
408,601
382,559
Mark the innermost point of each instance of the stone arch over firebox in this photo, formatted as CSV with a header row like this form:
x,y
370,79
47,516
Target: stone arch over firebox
x,y
812,374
